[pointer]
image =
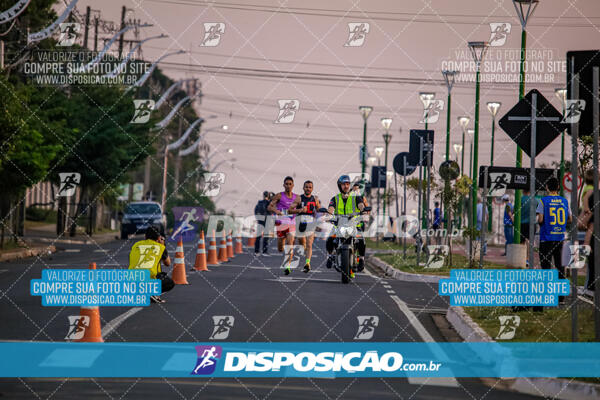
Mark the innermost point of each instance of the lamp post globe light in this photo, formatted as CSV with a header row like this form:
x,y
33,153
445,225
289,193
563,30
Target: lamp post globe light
x,y
387,137
478,50
457,149
524,9
561,94
365,111
463,122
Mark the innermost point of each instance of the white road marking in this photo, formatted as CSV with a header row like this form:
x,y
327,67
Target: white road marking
x,y
72,250
100,251
115,322
3,270
414,321
391,292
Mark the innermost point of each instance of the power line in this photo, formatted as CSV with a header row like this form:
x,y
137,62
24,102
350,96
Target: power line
x,y
409,17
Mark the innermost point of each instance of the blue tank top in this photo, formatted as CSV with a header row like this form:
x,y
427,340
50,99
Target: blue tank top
x,y
556,212
507,219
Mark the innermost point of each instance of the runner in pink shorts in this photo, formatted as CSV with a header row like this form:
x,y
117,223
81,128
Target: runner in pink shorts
x,y
285,224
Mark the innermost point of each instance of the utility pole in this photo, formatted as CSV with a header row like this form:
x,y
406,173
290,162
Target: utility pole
x,y
88,10
96,22
123,12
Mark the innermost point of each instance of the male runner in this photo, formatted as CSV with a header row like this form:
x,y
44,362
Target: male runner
x,y
285,224
305,206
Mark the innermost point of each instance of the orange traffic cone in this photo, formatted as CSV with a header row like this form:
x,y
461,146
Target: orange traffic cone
x,y
93,331
200,263
229,246
222,249
238,245
252,237
212,251
179,275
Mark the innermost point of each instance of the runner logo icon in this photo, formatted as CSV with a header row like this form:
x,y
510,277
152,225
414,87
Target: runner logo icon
x,y
508,326
431,113
212,33
143,108
579,254
68,33
212,183
500,31
573,111
287,111
222,326
358,33
437,255
207,359
366,326
68,183
77,325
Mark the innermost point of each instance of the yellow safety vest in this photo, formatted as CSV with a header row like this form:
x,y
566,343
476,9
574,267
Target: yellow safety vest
x,y
346,208
146,254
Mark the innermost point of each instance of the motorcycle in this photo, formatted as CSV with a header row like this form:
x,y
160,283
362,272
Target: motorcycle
x,y
345,236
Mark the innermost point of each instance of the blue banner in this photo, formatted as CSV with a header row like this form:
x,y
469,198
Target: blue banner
x,y
91,287
504,287
319,360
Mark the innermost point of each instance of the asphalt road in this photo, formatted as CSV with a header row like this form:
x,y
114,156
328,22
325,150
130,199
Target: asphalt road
x,y
264,306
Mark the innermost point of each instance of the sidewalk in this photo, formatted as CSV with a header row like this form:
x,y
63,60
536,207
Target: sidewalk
x,y
47,234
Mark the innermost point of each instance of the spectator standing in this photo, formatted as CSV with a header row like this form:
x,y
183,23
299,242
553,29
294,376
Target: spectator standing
x,y
508,222
261,213
553,214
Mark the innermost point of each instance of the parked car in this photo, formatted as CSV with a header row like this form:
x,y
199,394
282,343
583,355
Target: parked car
x,y
140,215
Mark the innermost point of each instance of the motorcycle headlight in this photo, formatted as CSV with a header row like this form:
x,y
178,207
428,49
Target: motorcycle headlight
x,y
346,231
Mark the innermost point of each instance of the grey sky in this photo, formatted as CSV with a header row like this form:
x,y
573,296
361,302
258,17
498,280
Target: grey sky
x,y
407,39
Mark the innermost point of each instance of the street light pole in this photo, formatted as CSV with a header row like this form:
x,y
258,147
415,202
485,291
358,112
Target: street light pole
x,y
478,50
427,99
450,79
463,121
365,111
378,153
387,137
561,93
493,107
525,9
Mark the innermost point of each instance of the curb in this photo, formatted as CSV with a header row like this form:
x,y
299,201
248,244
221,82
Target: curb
x,y
401,275
97,240
24,253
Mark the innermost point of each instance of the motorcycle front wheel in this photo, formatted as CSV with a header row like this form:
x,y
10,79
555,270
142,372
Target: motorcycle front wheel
x,y
345,265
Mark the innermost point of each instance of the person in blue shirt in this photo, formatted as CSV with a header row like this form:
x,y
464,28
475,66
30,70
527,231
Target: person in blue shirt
x,y
508,222
480,212
553,215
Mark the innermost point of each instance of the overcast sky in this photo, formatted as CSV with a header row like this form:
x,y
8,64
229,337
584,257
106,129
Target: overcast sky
x,y
407,45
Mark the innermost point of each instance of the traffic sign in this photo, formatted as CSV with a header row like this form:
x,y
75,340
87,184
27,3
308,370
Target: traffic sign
x,y
398,163
517,123
584,63
378,178
416,157
449,170
515,178
568,182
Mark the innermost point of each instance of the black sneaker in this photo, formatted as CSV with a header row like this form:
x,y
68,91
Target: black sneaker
x,y
306,268
330,260
287,271
361,264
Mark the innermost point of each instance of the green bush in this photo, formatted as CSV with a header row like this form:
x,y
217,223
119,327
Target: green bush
x,y
40,214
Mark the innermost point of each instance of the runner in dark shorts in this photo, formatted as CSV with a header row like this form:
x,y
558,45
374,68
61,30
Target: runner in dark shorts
x,y
306,206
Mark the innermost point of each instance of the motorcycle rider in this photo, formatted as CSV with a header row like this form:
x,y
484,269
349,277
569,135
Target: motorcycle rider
x,y
348,204
306,205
